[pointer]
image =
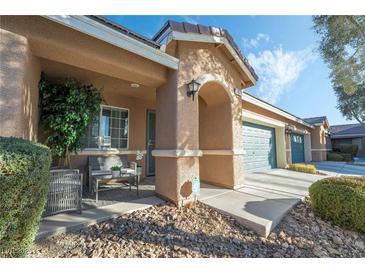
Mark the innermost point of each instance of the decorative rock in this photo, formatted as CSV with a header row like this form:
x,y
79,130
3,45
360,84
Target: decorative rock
x,y
282,235
337,240
317,251
360,244
166,231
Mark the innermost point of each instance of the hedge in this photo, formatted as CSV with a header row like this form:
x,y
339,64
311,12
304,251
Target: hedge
x,y
24,178
340,200
303,168
339,157
351,149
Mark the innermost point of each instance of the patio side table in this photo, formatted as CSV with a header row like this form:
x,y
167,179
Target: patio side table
x,y
124,179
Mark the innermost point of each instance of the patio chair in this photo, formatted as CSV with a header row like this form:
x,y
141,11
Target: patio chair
x,y
64,192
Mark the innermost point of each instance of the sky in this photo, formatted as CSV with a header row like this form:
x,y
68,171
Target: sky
x,y
281,49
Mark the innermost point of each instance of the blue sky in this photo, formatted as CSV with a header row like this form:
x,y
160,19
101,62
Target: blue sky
x,y
282,49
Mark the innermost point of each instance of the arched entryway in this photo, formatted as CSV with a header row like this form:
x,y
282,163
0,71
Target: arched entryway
x,y
215,135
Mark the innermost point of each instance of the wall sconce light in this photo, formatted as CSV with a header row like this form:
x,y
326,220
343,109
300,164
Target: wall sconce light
x,y
289,129
193,87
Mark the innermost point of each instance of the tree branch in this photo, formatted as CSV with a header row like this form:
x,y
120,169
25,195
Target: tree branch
x,y
351,20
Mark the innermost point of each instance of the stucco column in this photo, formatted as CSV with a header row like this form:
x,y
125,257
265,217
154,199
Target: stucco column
x,y
237,135
307,148
19,77
177,139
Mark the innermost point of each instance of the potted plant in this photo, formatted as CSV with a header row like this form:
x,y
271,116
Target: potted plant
x,y
139,157
115,171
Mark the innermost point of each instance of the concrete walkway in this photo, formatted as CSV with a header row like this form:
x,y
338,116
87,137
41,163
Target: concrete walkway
x,y
340,168
66,222
264,199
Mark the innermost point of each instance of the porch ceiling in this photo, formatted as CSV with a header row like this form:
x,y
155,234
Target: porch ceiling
x,y
56,70
53,41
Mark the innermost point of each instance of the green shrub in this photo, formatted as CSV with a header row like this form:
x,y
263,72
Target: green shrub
x,y
303,168
335,156
347,157
349,149
24,179
340,200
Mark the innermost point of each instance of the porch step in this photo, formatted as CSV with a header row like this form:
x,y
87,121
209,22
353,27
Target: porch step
x,y
65,222
255,209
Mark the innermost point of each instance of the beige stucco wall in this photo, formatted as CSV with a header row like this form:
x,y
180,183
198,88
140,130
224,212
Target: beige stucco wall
x,y
19,76
207,64
271,119
279,127
31,44
215,133
319,143
288,149
59,43
113,96
254,108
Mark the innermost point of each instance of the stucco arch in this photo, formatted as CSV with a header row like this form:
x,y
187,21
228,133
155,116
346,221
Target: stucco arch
x,y
211,78
215,133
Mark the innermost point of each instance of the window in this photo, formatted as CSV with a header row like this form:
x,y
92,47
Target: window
x,y
108,130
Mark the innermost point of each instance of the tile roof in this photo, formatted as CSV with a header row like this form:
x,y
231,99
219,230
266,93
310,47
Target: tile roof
x,y
204,30
352,129
125,31
315,120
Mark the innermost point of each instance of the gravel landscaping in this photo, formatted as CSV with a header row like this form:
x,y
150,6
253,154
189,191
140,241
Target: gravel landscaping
x,y
165,231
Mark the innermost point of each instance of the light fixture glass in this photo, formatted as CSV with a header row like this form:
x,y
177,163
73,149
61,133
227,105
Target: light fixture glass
x,y
193,87
134,85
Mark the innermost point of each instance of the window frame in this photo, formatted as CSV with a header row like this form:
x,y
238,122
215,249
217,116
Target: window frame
x,y
100,135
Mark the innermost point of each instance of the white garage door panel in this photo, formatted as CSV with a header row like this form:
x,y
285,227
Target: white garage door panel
x,y
259,144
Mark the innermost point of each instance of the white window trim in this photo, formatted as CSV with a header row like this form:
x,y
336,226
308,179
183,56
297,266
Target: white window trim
x,y
110,149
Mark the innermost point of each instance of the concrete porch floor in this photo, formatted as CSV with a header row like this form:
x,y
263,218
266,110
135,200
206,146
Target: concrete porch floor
x,y
264,199
259,205
112,203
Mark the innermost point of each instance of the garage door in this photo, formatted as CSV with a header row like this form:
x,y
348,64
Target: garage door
x,y
259,144
297,148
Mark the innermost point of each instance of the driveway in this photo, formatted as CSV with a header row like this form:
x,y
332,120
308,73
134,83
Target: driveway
x,y
340,168
264,199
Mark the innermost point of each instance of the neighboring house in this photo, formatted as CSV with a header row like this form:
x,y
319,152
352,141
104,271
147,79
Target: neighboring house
x,y
218,136
349,134
321,142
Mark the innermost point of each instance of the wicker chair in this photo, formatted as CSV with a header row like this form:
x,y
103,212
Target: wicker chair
x,y
64,192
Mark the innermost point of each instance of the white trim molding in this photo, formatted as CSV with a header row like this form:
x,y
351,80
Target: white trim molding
x,y
347,136
258,118
223,152
109,151
175,153
253,100
104,33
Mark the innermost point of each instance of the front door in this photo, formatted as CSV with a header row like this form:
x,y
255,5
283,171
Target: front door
x,y
297,147
151,133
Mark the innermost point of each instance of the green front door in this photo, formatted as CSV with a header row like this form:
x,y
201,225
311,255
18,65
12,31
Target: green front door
x,y
151,134
297,148
260,147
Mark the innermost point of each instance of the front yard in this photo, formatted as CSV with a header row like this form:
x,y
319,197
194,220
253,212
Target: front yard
x,y
165,231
